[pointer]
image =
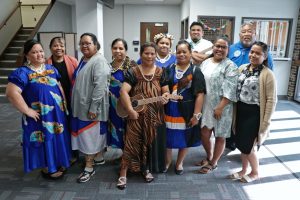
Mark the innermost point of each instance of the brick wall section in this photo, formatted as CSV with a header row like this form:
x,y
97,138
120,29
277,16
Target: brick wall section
x,y
295,63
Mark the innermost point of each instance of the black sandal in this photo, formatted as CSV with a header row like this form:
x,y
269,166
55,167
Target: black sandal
x,y
50,175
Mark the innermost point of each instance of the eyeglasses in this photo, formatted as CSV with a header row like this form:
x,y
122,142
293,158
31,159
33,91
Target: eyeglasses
x,y
85,44
222,47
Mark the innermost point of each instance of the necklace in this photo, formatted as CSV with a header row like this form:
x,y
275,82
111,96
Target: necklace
x,y
114,69
147,79
163,60
179,73
39,69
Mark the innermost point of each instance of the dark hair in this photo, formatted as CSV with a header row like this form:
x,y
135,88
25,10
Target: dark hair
x,y
145,45
197,24
60,39
28,46
184,42
119,40
94,39
219,37
222,37
265,50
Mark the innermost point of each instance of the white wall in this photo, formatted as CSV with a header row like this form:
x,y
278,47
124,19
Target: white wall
x,y
255,8
124,21
59,19
6,8
185,9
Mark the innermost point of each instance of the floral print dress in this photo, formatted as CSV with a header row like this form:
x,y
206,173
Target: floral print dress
x,y
46,143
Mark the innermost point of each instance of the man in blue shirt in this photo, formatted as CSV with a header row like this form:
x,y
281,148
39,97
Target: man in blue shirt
x,y
239,51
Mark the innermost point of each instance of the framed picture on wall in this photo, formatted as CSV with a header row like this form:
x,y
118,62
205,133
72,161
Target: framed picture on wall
x,y
276,32
217,25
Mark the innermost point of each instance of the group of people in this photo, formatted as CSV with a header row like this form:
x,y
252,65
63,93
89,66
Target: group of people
x,y
146,108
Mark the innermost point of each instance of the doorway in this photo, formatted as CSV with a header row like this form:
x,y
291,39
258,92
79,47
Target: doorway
x,y
150,29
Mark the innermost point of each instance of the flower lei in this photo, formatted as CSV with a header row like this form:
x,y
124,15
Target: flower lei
x,y
163,35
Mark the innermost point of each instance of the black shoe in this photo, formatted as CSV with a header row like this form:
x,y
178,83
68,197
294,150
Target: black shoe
x,y
51,176
178,171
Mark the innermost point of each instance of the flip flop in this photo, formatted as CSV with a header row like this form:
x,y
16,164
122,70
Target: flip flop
x,y
234,176
247,179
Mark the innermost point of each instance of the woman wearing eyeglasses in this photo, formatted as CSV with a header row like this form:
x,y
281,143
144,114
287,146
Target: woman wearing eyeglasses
x,y
90,104
220,75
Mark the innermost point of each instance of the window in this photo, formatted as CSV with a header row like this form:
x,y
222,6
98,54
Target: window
x,y
274,32
217,25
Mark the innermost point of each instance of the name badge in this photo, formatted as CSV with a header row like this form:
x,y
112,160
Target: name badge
x,y
237,53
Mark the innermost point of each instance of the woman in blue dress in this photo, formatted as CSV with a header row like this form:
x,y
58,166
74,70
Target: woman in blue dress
x,y
121,62
34,89
164,57
182,117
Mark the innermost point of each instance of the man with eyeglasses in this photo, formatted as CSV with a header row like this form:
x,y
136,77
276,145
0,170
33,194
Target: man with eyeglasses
x,y
239,51
239,54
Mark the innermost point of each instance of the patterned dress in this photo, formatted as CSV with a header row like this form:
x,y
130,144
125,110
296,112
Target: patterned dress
x,y
221,81
46,143
179,113
140,133
116,124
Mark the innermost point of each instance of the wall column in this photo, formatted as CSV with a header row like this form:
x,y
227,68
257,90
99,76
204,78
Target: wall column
x,y
89,18
295,63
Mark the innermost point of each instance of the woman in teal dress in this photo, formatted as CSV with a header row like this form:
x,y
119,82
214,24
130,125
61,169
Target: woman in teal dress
x,y
34,89
121,62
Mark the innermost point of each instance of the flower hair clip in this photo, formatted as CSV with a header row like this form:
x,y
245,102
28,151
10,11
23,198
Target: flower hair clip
x,y
158,36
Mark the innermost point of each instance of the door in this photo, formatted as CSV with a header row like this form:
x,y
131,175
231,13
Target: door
x,y
150,29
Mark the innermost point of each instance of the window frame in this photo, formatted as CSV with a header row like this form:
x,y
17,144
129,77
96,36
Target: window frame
x,y
274,20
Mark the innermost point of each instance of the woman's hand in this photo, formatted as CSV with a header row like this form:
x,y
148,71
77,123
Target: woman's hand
x,y
92,115
193,122
165,98
218,112
33,114
132,114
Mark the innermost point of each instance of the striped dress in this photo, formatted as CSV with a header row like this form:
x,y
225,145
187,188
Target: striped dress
x,y
179,113
140,133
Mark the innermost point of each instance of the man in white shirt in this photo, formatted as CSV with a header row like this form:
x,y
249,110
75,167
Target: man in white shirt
x,y
201,47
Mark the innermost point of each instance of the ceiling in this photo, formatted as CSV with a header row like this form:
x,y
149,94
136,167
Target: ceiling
x,y
139,2
149,2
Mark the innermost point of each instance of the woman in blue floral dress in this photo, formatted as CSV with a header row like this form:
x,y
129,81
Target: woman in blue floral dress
x,y
34,89
120,64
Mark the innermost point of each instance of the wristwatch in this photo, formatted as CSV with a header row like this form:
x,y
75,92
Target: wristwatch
x,y
197,115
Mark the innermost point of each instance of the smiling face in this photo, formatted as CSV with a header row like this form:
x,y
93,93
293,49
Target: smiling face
x,y
163,46
220,50
247,35
256,55
196,32
148,56
58,48
87,46
36,55
183,54
118,51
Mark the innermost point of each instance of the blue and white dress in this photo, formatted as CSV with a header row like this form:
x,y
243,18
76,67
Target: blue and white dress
x,y
46,143
179,113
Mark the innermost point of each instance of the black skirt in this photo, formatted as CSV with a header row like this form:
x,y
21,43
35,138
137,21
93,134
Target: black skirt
x,y
247,126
